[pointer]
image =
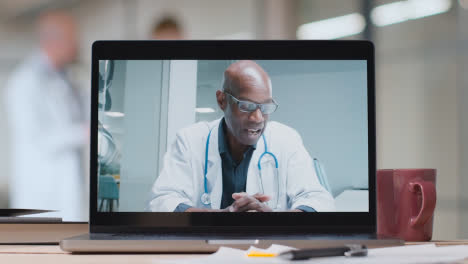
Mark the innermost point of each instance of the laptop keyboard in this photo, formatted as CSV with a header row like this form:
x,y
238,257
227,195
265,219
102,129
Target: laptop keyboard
x,y
204,236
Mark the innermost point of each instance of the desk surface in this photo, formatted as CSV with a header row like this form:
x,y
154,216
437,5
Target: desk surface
x,y
352,201
53,254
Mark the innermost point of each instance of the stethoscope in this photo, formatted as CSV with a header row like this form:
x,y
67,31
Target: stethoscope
x,y
206,197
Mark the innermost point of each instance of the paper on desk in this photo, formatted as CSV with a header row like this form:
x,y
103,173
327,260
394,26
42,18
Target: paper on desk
x,y
404,254
28,249
226,255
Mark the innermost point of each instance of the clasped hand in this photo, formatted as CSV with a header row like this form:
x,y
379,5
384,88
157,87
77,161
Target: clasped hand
x,y
243,202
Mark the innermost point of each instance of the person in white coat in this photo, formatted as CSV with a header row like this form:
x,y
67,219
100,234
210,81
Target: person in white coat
x,y
242,162
48,126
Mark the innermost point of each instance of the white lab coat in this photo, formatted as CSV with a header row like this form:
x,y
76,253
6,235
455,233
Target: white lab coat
x,y
182,180
46,142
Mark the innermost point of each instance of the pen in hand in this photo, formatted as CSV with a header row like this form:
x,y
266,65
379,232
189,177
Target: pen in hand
x,y
348,250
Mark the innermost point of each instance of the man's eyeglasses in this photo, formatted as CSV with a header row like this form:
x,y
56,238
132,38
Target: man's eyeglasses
x,y
249,107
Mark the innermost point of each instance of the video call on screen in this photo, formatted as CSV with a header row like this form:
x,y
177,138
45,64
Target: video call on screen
x,y
158,118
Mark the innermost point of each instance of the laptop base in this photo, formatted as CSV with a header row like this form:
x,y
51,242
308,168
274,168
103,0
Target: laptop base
x,y
135,243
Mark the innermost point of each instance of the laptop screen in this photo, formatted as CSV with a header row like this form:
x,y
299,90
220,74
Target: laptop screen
x,y
233,136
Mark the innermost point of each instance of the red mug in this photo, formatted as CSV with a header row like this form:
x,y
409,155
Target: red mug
x,y
406,199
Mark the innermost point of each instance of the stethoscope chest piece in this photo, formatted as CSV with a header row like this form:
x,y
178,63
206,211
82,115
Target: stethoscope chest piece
x,y
205,199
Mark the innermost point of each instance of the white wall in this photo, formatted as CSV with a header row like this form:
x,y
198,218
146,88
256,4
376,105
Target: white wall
x,y
159,99
462,103
326,102
417,114
182,96
141,130
202,19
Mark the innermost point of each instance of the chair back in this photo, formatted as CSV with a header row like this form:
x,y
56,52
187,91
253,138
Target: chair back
x,y
322,176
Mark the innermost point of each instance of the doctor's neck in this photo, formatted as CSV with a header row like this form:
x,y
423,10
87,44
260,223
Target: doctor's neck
x,y
236,148
53,59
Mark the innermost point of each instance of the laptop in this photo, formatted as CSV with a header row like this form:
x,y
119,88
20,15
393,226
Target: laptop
x,y
202,144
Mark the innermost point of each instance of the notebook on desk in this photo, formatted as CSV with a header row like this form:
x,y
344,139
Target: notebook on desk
x,y
202,144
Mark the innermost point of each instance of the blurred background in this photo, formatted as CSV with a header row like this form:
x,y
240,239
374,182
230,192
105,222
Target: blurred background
x,y
421,67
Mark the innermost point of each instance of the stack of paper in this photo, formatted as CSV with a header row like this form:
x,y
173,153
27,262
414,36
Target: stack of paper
x,y
404,254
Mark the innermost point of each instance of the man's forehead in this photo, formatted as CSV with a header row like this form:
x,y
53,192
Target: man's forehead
x,y
254,82
252,73
247,77
251,76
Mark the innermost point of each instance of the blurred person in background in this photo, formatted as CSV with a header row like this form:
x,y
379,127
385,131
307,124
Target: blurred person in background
x,y
167,29
49,127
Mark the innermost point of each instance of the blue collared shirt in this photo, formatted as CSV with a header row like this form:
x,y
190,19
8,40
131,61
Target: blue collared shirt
x,y
234,175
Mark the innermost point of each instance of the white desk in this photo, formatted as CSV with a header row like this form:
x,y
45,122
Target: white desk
x,y
352,201
53,254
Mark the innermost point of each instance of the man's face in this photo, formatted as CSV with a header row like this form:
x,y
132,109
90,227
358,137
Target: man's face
x,y
247,127
168,34
70,43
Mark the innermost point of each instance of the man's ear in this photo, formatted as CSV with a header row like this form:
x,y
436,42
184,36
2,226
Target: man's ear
x,y
221,99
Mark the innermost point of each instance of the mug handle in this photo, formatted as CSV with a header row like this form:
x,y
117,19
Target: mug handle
x,y
428,201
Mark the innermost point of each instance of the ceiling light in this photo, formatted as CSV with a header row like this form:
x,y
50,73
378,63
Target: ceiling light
x,y
114,114
402,11
332,28
204,110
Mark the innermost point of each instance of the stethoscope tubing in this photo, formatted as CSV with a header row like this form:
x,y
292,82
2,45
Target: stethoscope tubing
x,y
205,197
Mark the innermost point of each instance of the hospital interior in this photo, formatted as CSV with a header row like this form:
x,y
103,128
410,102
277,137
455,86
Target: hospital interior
x,y
421,50
333,99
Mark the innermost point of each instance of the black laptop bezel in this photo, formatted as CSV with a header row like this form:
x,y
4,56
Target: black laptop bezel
x,y
288,222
